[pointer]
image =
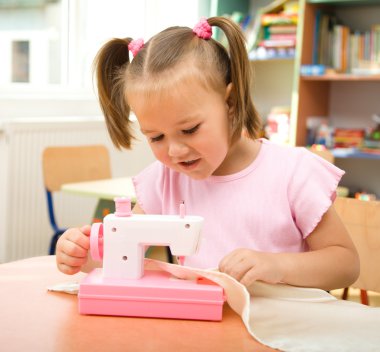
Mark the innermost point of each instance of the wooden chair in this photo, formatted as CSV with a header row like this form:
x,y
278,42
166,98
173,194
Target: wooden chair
x,y
68,164
362,220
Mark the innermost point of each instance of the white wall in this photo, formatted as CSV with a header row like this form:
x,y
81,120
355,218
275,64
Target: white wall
x,y
86,26
24,226
92,22
272,84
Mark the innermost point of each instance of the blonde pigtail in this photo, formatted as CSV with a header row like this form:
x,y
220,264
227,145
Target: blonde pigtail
x,y
109,68
241,78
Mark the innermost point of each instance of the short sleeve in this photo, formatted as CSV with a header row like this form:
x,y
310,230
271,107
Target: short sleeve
x,y
148,187
312,190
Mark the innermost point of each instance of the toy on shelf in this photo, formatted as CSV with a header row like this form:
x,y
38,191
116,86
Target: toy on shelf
x,y
123,288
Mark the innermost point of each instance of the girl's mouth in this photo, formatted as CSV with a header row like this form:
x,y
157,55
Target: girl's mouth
x,y
189,164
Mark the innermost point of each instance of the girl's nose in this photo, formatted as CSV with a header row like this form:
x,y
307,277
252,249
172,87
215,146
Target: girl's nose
x,y
177,149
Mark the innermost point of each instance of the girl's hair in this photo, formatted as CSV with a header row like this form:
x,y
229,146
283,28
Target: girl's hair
x,y
167,59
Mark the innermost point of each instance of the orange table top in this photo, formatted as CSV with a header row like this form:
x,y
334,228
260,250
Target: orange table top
x,y
33,319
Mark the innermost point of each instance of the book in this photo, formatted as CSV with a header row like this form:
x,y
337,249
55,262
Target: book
x,y
316,37
340,48
345,49
348,138
291,29
375,151
275,14
271,32
324,52
282,36
375,35
283,43
279,19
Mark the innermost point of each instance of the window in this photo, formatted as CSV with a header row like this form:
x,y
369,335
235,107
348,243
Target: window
x,y
30,41
20,61
48,46
48,42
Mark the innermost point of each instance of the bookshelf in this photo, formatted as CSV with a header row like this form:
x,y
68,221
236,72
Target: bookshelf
x,y
342,77
274,73
273,76
273,35
347,99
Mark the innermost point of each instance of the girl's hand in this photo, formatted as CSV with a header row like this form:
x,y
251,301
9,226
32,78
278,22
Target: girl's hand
x,y
247,266
72,249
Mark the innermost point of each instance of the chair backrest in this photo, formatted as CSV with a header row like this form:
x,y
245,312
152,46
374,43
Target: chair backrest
x,y
67,164
362,220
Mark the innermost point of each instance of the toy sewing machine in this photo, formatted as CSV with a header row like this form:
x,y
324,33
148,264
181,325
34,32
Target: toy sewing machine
x,y
123,288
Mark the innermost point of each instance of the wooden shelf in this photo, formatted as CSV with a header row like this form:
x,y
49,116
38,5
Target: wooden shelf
x,y
272,59
345,2
354,154
346,100
314,95
342,77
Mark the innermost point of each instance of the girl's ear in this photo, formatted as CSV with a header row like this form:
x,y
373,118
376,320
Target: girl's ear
x,y
229,97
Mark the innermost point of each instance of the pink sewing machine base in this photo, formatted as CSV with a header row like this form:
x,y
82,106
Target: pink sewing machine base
x,y
122,287
156,295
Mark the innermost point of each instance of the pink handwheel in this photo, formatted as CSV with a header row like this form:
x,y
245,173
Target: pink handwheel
x,y
96,241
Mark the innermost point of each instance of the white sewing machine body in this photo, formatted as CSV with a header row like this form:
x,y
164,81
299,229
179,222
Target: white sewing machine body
x,y
122,287
125,240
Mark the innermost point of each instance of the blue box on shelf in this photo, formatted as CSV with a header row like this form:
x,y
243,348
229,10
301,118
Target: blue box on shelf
x,y
313,70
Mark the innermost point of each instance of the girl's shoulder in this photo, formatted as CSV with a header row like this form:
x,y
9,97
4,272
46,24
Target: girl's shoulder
x,y
284,150
297,160
291,154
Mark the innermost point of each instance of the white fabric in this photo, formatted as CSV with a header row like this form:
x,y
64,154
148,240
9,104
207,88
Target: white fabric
x,y
290,318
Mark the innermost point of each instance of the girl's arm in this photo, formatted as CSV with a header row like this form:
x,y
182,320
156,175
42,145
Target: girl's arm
x,y
72,249
72,254
332,261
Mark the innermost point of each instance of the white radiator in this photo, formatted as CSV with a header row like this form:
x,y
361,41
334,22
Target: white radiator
x,y
24,226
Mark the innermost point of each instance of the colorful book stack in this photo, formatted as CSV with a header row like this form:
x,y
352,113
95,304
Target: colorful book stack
x,y
348,138
279,33
344,49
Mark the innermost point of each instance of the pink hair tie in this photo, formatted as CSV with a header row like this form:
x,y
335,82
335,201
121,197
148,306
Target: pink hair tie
x,y
135,45
202,29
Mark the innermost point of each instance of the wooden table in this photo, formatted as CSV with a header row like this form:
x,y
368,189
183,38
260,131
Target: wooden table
x,y
33,319
103,189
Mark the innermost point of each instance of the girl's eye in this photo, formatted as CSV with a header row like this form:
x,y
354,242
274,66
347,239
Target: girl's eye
x,y
156,139
191,130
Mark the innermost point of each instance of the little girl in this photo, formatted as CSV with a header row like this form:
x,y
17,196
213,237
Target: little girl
x,y
267,208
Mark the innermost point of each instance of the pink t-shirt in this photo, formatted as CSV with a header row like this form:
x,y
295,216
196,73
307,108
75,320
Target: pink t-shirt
x,y
271,206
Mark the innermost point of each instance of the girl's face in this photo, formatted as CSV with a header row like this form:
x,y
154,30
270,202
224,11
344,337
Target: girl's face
x,y
187,129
